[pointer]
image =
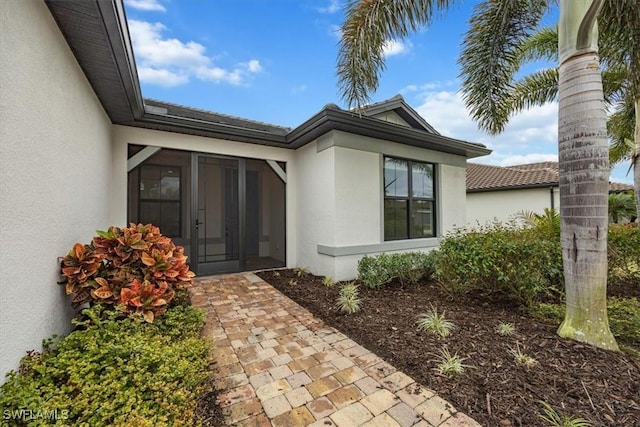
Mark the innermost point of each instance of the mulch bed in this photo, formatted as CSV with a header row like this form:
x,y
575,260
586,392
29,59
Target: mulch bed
x,y
575,379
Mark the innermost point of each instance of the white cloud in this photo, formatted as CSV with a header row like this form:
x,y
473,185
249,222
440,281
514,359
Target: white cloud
x,y
530,136
147,5
395,47
171,62
164,78
332,7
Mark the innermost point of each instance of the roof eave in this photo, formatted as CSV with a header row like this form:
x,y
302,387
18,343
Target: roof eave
x,y
333,119
513,187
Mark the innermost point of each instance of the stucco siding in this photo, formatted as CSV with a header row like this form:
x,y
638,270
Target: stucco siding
x,y
358,197
315,202
502,206
450,193
55,174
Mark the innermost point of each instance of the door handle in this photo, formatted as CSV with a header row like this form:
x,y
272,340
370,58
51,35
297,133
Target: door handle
x,y
197,224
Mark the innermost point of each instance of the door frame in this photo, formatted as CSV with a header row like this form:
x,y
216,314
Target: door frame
x,y
218,267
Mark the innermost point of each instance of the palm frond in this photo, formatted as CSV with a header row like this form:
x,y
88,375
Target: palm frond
x,y
535,89
620,127
489,58
541,45
369,24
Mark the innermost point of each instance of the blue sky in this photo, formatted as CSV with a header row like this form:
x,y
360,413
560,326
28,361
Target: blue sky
x,y
275,61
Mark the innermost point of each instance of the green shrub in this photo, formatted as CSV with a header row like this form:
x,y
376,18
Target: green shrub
x,y
113,371
407,267
136,267
624,252
500,258
624,317
373,271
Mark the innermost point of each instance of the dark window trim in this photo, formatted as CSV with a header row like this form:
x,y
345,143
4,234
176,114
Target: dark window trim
x,y
179,200
410,198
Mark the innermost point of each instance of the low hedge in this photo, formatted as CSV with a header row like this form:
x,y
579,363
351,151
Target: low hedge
x,y
113,370
500,258
407,268
624,252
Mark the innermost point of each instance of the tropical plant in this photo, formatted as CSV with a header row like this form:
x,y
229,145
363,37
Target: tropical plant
x,y
435,322
135,266
449,364
556,420
348,301
498,28
522,358
505,329
547,222
327,281
621,206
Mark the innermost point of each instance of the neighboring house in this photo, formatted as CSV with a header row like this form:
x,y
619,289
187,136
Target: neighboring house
x,y
500,192
81,150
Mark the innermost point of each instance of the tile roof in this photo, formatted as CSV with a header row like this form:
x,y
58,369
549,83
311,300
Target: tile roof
x,y
489,177
530,175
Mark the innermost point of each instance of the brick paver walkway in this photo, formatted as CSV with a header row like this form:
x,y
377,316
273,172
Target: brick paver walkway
x,y
277,365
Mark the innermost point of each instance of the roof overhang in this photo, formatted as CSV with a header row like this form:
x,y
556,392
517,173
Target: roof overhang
x,y
97,33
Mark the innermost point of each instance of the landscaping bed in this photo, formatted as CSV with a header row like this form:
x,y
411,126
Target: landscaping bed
x,y
577,380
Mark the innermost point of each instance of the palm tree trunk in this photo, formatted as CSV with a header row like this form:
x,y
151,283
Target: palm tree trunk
x,y
635,160
584,186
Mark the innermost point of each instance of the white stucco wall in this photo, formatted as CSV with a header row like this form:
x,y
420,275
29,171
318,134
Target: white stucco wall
x,y
315,204
55,174
502,206
346,222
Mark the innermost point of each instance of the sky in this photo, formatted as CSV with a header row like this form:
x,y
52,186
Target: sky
x,y
274,61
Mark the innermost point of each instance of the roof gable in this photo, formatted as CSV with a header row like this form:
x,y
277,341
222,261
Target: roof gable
x,y
398,106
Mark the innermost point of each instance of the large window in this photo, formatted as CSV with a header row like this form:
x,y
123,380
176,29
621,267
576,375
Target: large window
x,y
160,196
409,199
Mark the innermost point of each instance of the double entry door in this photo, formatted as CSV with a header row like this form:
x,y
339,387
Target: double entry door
x,y
224,218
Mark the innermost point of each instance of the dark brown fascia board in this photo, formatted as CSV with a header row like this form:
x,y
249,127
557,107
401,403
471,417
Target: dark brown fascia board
x,y
115,22
335,119
514,187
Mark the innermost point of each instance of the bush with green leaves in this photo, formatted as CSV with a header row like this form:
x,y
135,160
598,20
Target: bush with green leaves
x,y
115,371
408,267
624,252
508,259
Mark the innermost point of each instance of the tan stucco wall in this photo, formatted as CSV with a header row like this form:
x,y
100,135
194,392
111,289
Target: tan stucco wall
x,y
55,174
504,205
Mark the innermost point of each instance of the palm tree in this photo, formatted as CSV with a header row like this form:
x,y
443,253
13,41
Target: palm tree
x,y
620,60
621,206
498,28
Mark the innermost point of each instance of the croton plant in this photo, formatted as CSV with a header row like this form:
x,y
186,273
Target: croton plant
x,y
135,267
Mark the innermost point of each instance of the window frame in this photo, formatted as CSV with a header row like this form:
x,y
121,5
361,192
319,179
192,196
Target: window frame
x,y
410,199
160,201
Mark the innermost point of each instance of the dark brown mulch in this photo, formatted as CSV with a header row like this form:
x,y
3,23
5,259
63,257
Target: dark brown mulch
x,y
577,380
208,411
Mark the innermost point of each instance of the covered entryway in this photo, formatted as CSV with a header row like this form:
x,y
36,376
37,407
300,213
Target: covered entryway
x,y
227,212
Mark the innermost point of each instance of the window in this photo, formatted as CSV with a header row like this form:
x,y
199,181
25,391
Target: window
x,y
409,199
160,198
